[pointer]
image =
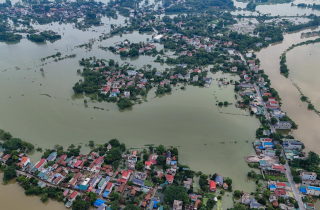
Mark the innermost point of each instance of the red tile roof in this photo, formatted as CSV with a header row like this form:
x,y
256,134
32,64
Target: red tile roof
x,y
6,157
148,163
40,163
77,163
74,194
213,185
109,186
281,184
24,159
170,177
197,203
125,174
121,187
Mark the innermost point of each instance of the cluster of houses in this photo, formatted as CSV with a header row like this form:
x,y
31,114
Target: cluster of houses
x,y
278,189
125,46
310,186
81,174
88,174
115,80
207,44
256,105
292,148
268,161
195,198
62,11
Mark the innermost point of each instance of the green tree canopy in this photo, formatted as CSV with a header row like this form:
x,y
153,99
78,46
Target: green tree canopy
x,y
80,204
176,193
9,173
139,165
161,160
160,149
132,207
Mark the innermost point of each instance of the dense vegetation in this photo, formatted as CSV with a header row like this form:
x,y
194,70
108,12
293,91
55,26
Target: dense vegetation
x,y
198,5
48,35
313,6
314,22
251,6
283,66
10,37
311,163
12,144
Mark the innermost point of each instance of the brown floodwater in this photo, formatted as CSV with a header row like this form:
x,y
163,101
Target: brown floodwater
x,y
12,197
304,71
42,109
309,122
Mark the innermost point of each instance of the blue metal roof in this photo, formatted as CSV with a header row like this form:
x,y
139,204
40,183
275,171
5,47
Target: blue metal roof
x,y
173,162
98,202
262,162
314,188
303,190
105,194
137,182
219,179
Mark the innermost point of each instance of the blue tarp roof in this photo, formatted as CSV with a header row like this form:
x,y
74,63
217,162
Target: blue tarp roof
x,y
303,190
105,194
174,162
98,202
155,204
272,186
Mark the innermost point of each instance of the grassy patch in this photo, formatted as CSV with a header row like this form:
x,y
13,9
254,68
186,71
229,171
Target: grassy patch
x,y
205,200
281,178
148,183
